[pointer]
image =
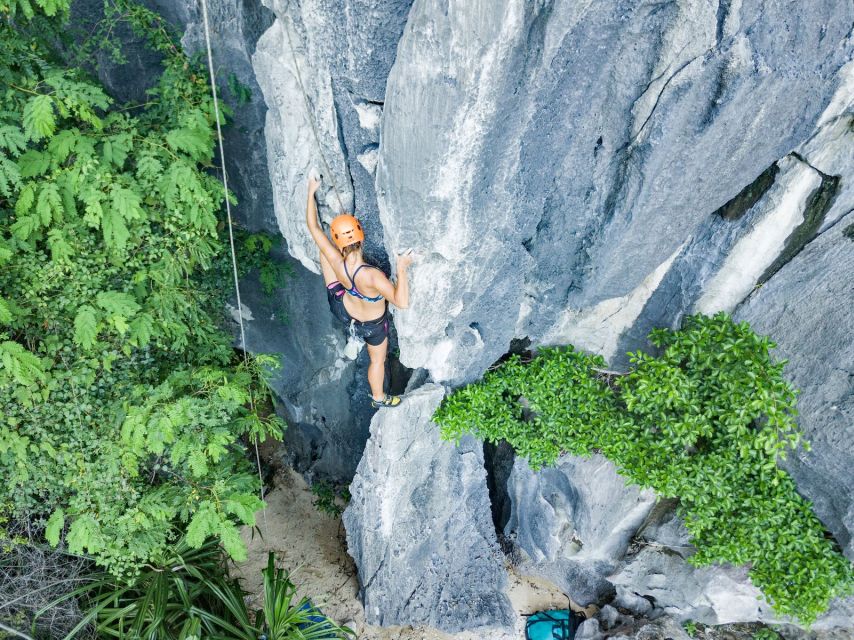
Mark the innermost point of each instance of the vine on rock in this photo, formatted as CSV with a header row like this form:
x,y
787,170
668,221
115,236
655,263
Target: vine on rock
x,y
125,411
705,421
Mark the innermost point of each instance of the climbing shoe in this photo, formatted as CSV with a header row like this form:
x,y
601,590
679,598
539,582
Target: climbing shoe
x,y
388,401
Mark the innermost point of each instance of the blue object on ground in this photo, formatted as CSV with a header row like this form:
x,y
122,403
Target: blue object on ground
x,y
315,619
557,624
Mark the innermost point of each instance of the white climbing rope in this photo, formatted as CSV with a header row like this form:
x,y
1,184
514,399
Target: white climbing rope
x,y
231,236
311,119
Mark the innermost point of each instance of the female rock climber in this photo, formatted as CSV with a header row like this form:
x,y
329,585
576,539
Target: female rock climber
x,y
361,304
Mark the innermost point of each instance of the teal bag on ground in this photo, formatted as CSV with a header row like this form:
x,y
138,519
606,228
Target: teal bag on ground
x,y
557,624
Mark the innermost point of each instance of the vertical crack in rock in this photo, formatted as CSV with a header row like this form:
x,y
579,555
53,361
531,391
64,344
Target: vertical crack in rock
x,y
344,50
749,196
339,133
722,15
498,460
819,203
292,66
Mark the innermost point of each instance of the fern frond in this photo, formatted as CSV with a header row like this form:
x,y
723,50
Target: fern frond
x,y
49,205
12,139
19,365
39,120
86,326
10,177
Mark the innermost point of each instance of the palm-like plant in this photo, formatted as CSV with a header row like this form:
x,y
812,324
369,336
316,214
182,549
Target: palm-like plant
x,y
284,620
160,602
190,596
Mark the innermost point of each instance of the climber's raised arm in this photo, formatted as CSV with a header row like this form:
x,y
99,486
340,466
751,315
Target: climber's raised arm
x,y
398,294
323,243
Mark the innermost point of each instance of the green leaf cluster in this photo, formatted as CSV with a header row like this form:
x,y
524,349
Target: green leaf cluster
x,y
765,633
329,498
28,9
185,593
287,616
124,410
704,421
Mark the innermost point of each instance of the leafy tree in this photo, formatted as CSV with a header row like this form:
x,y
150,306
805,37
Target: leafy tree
x,y
705,421
125,411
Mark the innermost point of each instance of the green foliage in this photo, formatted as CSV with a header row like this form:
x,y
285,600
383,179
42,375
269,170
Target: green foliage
x,y
26,9
329,499
8,539
286,617
174,596
239,91
565,407
186,593
125,410
254,251
705,421
765,633
690,628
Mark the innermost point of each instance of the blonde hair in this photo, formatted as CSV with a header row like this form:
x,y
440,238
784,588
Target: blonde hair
x,y
351,248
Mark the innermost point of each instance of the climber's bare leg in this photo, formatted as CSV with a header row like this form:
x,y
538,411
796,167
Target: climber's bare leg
x,y
376,370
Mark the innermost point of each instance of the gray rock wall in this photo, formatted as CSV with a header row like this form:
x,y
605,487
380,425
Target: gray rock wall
x,y
654,570
573,522
291,65
327,428
550,160
574,174
582,174
322,67
419,525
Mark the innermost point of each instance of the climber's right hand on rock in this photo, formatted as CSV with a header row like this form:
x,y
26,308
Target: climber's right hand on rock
x,y
404,260
313,185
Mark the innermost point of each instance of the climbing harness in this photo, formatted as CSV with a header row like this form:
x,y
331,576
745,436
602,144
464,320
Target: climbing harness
x,y
309,113
231,237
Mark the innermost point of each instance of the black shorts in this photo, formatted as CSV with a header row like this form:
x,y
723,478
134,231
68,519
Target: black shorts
x,y
374,332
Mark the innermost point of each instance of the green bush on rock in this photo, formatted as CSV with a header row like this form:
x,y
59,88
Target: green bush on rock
x,y
705,421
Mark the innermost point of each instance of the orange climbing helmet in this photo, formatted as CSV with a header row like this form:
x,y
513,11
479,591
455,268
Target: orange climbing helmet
x,y
346,230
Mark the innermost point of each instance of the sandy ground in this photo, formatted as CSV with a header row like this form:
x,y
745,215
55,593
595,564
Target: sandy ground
x,y
311,545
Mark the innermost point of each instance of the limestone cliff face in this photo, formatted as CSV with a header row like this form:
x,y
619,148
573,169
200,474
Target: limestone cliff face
x,y
568,172
554,160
